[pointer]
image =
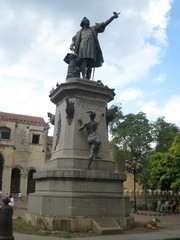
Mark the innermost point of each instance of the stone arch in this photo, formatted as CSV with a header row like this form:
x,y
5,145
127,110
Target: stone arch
x,y
31,181
1,169
15,180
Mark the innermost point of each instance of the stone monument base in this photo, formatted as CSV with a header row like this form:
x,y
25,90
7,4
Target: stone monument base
x,y
102,225
70,195
74,193
79,201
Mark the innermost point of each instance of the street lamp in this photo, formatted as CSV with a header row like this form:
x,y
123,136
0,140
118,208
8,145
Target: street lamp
x,y
134,166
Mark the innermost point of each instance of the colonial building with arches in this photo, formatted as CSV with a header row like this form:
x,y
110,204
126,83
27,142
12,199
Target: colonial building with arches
x,y
24,148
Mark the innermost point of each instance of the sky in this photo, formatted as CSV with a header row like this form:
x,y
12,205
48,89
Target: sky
x,y
140,49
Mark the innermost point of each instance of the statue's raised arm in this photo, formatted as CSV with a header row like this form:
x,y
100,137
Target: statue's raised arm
x,y
115,15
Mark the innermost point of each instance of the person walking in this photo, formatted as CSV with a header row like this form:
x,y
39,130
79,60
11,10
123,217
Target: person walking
x,y
19,196
11,203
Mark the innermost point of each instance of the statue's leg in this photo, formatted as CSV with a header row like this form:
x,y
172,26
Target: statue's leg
x,y
88,73
90,161
97,150
89,68
92,153
83,68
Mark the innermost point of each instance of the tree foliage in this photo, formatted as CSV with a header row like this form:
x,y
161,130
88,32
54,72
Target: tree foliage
x,y
131,134
165,168
164,134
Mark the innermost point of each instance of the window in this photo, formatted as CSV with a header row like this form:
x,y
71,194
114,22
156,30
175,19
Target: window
x,y
35,138
5,133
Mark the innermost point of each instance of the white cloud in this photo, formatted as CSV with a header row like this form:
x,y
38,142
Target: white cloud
x,y
151,109
171,110
138,65
157,16
157,11
6,17
130,95
133,68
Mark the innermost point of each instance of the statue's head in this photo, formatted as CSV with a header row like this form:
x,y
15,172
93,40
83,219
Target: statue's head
x,y
92,115
85,21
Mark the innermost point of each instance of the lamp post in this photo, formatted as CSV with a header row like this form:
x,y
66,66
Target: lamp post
x,y
134,166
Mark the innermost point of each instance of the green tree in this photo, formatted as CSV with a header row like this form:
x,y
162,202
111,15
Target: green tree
x,y
164,134
118,155
131,134
174,170
165,168
158,177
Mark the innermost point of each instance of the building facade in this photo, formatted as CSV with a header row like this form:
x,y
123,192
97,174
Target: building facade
x,y
24,148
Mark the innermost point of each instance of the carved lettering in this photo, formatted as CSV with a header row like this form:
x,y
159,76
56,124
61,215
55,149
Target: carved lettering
x,y
90,105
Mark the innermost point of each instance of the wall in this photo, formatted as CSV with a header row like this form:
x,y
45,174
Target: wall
x,y
22,152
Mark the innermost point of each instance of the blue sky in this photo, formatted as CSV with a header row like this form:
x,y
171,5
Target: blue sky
x,y
140,48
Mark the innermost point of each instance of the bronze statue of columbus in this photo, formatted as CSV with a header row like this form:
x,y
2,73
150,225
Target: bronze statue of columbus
x,y
86,46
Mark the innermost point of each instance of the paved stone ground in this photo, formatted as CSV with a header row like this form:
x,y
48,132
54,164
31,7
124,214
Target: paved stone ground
x,y
168,222
166,219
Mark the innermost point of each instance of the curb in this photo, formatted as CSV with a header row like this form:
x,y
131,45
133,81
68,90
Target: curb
x,y
157,214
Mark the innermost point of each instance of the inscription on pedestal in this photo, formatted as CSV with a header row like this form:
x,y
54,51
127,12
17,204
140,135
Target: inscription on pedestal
x,y
90,105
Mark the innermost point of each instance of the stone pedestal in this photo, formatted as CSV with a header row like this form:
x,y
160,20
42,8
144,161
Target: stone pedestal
x,y
66,188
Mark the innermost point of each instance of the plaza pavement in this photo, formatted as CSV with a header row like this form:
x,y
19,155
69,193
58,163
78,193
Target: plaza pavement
x,y
169,228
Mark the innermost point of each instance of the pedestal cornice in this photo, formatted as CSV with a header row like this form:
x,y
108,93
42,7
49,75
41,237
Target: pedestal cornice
x,y
81,174
82,87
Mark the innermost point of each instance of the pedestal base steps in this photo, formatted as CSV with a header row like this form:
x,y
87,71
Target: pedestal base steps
x,y
79,201
102,225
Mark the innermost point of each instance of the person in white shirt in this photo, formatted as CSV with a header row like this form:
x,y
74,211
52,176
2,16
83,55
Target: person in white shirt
x,y
11,203
19,196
